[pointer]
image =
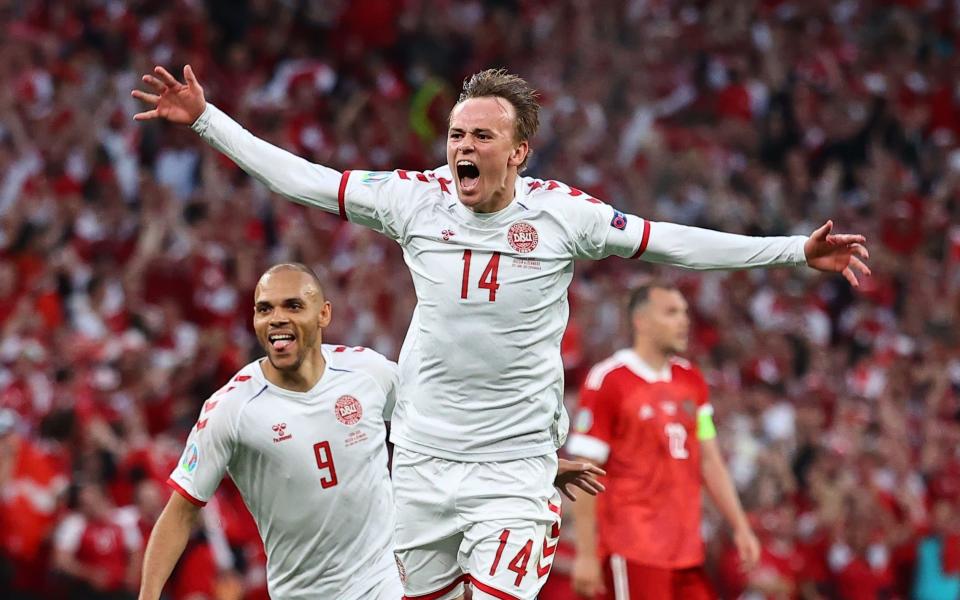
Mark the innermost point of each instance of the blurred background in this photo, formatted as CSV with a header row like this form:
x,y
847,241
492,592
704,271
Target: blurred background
x,y
128,252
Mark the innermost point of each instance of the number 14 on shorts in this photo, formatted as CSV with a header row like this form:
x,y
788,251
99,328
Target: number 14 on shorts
x,y
520,561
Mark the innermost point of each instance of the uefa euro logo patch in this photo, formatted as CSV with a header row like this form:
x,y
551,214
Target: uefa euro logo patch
x,y
619,220
375,176
190,458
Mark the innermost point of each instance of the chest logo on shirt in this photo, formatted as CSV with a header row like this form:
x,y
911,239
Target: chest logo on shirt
x,y
522,237
348,410
446,234
647,412
281,430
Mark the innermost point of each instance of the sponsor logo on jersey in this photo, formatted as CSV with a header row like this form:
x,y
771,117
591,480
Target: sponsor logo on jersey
x,y
190,459
619,220
669,407
584,421
281,430
375,176
348,410
446,234
522,237
646,412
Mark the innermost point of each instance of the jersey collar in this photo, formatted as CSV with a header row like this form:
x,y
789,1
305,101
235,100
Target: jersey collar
x,y
504,215
311,393
641,369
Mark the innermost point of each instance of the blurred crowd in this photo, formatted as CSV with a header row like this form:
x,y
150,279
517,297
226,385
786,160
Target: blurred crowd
x,y
129,252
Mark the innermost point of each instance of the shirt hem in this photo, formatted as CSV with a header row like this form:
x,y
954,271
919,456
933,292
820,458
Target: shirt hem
x,y
482,456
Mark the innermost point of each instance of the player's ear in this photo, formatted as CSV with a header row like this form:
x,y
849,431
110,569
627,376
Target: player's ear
x,y
325,315
519,154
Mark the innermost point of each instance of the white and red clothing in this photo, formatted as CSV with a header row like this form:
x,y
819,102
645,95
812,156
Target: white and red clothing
x,y
481,374
641,424
103,545
312,469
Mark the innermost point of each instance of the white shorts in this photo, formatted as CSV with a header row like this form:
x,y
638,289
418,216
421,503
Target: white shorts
x,y
492,524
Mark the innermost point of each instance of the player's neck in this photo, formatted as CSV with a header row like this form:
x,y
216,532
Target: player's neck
x,y
655,358
500,199
301,380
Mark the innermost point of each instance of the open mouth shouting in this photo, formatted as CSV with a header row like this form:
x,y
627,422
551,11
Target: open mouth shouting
x,y
281,341
468,174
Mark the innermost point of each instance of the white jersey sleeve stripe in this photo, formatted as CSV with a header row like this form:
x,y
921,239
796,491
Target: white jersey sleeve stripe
x,y
588,446
599,372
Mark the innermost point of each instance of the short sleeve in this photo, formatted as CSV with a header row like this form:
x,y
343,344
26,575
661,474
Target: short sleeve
x,y
386,201
593,426
208,451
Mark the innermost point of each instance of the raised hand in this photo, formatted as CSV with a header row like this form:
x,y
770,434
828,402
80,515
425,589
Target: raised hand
x,y
581,474
837,253
174,101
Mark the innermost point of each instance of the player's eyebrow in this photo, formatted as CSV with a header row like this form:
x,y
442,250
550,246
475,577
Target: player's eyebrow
x,y
284,302
474,131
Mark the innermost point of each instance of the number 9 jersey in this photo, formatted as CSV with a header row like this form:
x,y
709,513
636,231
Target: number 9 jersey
x,y
312,469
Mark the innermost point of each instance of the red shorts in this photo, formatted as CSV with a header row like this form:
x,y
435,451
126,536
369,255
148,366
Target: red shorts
x,y
628,580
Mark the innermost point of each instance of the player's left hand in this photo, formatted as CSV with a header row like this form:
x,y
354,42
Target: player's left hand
x,y
837,253
748,548
580,474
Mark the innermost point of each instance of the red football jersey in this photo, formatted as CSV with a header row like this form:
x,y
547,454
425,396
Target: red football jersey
x,y
642,426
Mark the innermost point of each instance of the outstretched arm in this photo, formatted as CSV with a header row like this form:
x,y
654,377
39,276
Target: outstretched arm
x,y
697,248
281,171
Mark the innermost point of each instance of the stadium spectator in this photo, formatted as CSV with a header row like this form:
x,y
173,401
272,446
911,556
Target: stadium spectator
x,y
853,113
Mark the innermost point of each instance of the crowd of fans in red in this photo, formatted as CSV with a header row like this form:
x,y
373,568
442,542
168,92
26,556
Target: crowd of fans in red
x,y
128,253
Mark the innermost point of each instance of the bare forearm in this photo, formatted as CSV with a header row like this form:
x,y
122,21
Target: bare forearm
x,y
720,486
585,523
167,541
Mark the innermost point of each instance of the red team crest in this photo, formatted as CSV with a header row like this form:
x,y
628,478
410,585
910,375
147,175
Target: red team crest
x,y
348,410
522,237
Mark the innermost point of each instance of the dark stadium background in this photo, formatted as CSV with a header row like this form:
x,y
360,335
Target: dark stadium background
x,y
128,252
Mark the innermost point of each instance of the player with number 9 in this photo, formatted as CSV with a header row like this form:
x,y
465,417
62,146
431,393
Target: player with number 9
x,y
301,433
480,411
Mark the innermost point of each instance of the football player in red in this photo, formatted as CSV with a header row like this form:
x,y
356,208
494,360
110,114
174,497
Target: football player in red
x,y
645,417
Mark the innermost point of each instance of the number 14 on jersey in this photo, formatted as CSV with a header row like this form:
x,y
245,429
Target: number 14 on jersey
x,y
488,278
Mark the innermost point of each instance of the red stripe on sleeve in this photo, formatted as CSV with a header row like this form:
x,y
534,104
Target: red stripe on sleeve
x,y
185,493
643,240
341,195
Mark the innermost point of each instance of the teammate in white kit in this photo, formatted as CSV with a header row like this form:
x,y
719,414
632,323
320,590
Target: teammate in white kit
x,y
480,414
302,435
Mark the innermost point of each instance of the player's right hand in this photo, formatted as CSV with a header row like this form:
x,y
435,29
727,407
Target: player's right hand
x,y
587,576
176,102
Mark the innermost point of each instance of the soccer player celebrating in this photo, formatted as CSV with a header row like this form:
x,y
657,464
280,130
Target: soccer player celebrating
x,y
301,432
480,413
644,414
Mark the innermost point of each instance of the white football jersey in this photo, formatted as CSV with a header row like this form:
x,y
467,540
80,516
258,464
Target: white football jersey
x,y
481,377
312,469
